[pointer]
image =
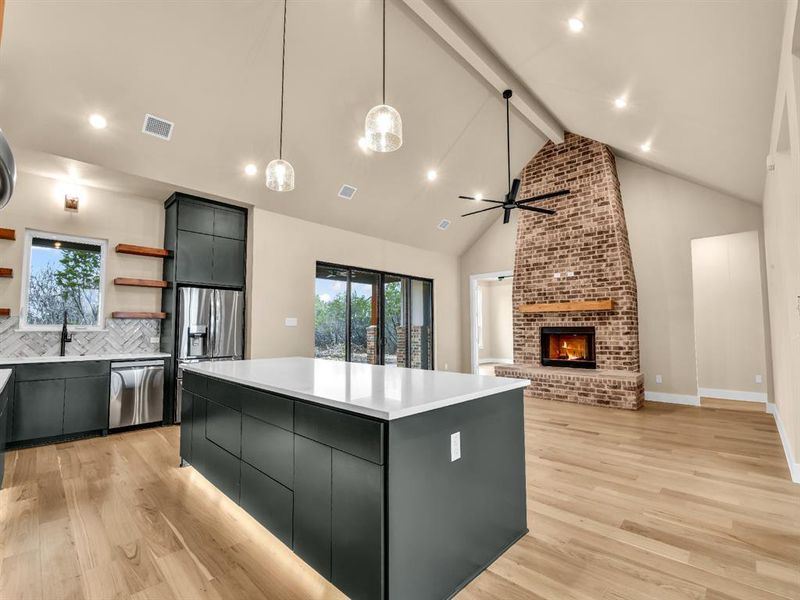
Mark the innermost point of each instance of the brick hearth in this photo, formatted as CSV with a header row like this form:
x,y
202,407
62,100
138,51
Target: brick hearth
x,y
589,238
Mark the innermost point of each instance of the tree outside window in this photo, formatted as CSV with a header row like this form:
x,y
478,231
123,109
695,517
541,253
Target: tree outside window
x,y
64,274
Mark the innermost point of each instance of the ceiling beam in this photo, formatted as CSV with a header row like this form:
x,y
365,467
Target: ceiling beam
x,y
459,36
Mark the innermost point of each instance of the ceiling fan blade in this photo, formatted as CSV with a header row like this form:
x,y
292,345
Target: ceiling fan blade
x,y
506,215
481,200
545,211
514,190
544,196
475,212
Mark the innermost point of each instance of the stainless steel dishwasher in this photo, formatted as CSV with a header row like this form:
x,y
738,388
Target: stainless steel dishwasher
x,y
136,393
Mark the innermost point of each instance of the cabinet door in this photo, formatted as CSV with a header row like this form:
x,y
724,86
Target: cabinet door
x,y
268,502
4,410
86,404
268,448
228,262
224,427
357,526
195,216
229,223
187,401
312,504
199,441
195,257
38,409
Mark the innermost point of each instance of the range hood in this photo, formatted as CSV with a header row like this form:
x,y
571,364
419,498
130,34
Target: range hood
x,y
8,171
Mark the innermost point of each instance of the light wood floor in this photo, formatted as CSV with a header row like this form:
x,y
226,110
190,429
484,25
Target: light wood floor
x,y
669,502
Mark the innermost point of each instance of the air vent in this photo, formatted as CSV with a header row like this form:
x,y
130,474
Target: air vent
x,y
443,224
347,192
158,127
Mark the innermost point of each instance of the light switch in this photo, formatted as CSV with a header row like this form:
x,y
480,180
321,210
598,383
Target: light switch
x,y
455,446
570,273
556,275
658,379
290,321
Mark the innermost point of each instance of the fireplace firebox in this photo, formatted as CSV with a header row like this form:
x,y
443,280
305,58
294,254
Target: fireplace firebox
x,y
568,347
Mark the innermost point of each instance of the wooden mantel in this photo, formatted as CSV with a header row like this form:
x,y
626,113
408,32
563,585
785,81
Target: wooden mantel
x,y
582,306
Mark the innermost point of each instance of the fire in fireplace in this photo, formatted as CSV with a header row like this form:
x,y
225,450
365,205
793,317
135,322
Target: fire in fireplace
x,y
568,347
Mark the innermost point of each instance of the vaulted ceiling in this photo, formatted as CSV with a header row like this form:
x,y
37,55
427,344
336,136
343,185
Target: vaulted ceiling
x,y
699,77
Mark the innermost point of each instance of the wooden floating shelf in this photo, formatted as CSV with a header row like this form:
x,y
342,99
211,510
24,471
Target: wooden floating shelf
x,y
8,234
584,306
5,272
5,312
138,315
142,251
148,283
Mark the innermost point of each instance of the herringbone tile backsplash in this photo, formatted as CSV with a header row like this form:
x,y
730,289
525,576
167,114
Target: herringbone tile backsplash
x,y
121,336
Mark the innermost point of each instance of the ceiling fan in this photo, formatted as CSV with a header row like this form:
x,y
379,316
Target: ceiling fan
x,y
511,201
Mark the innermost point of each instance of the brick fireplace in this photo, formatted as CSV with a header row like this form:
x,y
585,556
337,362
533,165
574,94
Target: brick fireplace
x,y
574,282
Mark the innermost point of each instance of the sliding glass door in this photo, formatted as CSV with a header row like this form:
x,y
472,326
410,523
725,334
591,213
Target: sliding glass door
x,y
373,317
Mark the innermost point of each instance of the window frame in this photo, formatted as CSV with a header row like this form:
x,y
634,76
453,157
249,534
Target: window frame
x,y
381,316
26,270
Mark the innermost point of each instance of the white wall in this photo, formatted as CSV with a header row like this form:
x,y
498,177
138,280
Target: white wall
x,y
38,203
663,214
498,339
729,316
782,241
282,266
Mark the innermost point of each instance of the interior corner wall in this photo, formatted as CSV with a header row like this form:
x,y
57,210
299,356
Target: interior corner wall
x,y
282,260
729,302
663,214
498,327
781,208
38,203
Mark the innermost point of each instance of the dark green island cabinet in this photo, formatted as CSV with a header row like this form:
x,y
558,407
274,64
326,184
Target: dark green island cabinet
x,y
383,507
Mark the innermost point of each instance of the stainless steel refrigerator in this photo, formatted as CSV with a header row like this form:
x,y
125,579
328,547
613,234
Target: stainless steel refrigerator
x,y
210,327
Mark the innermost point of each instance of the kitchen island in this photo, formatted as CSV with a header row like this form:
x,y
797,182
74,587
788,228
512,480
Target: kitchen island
x,y
392,483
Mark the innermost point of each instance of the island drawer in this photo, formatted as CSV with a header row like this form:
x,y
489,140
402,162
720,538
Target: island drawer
x,y
61,370
225,393
268,448
194,383
349,433
268,502
270,408
224,427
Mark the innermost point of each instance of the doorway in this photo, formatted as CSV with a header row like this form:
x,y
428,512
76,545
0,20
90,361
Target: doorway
x,y
491,321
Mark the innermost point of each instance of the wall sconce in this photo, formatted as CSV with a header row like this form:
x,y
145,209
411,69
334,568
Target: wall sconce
x,y
71,202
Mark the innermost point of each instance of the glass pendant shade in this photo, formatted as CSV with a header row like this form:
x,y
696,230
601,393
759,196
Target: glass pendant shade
x,y
383,129
280,176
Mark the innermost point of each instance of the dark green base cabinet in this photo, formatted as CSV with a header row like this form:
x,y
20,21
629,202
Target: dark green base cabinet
x,y
52,400
5,409
376,507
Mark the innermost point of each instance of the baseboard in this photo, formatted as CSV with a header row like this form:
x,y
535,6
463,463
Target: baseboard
x,y
732,395
794,468
671,398
502,361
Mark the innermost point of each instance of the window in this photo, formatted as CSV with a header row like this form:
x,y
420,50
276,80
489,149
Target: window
x,y
373,317
62,273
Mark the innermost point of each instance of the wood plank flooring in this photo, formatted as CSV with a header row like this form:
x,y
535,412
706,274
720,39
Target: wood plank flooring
x,y
670,502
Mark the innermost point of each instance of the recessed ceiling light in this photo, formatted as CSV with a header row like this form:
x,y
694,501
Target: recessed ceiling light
x,y
645,147
432,175
98,121
251,169
575,25
621,102
363,144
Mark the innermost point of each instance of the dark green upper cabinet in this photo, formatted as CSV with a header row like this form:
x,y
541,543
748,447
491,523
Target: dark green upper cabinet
x,y
229,262
208,242
196,217
195,257
229,223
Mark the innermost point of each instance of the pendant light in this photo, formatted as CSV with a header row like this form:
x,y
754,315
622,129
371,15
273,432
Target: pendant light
x,y
383,127
280,173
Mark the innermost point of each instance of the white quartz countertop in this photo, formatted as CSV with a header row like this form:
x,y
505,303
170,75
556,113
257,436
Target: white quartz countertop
x,y
25,360
384,392
5,374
